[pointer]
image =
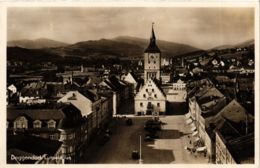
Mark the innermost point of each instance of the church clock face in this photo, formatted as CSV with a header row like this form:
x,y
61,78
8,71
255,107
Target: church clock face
x,y
151,58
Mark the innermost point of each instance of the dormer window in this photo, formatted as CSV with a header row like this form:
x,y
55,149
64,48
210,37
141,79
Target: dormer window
x,y
37,124
21,122
51,124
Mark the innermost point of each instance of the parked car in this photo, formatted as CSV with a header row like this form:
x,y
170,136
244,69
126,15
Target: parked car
x,y
151,125
148,138
153,135
135,155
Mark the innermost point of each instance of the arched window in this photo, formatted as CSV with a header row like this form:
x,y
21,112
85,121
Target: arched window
x,y
21,122
51,124
37,124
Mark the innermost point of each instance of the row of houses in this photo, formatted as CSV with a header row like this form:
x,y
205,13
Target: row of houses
x,y
73,116
218,125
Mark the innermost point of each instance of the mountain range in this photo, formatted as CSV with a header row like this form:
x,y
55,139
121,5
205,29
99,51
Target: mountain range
x,y
241,45
122,47
36,44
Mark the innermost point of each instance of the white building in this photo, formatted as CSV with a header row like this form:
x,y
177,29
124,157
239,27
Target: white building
x,y
12,88
85,102
150,100
130,78
177,93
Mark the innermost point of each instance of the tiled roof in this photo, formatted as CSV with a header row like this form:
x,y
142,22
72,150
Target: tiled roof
x,y
235,112
89,94
34,114
116,83
72,117
134,76
242,148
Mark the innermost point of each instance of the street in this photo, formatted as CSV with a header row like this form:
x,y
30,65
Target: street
x,y
169,148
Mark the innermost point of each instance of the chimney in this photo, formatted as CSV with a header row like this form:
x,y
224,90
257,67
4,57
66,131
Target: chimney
x,y
81,68
246,123
71,79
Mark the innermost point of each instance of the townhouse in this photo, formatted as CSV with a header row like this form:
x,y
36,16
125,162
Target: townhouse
x,y
56,122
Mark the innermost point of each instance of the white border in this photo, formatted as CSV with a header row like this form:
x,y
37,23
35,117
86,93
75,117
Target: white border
x,y
121,3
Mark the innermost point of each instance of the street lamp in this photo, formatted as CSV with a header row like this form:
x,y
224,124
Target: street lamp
x,y
140,148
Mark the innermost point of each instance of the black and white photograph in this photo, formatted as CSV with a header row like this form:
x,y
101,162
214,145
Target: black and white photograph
x,y
131,85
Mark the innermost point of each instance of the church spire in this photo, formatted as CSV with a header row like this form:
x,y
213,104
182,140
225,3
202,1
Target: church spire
x,y
152,46
152,35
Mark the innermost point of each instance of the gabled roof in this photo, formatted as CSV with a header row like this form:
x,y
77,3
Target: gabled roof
x,y
115,83
235,112
35,113
209,91
72,117
89,94
150,83
242,148
133,75
227,131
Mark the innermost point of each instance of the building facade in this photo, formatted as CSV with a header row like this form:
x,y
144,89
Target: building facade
x,y
150,100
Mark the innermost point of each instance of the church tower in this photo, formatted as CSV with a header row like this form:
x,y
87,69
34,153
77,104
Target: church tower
x,y
152,60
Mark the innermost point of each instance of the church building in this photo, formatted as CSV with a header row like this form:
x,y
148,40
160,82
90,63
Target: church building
x,y
151,100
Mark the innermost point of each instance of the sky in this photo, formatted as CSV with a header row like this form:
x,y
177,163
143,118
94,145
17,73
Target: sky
x,y
199,27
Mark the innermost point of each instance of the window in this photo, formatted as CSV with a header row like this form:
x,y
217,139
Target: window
x,y
146,90
52,137
155,95
63,137
51,124
141,104
21,122
71,136
154,62
144,96
37,124
158,104
152,90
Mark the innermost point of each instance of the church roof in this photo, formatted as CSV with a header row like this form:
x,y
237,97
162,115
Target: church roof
x,y
152,48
